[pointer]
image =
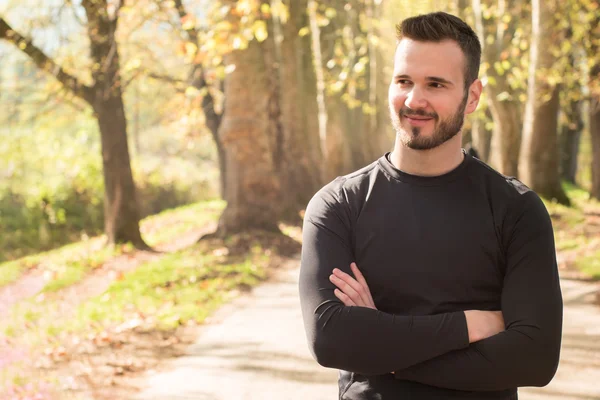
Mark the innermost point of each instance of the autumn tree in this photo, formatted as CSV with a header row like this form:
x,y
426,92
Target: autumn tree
x,y
538,164
269,129
593,45
104,96
502,38
354,84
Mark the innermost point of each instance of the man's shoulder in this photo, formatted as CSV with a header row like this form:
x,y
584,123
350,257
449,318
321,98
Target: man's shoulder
x,y
509,185
343,190
352,180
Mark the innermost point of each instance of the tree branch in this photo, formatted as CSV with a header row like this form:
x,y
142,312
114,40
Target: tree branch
x,y
192,33
45,63
166,78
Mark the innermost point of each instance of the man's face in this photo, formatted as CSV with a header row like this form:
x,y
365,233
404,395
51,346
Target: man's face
x,y
427,96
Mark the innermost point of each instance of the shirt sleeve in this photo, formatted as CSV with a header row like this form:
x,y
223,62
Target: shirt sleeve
x,y
359,339
527,352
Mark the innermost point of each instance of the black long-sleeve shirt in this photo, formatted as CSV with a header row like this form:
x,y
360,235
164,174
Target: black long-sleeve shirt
x,y
430,248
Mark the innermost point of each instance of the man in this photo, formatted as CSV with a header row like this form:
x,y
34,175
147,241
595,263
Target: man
x,y
427,274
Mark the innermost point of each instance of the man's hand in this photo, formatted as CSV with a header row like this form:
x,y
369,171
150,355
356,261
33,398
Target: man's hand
x,y
483,324
352,292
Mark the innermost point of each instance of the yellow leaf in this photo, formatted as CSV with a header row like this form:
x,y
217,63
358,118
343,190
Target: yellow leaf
x,y
359,67
223,26
304,31
188,23
280,11
503,96
132,64
322,21
243,7
190,48
229,69
330,13
260,30
237,42
191,91
265,8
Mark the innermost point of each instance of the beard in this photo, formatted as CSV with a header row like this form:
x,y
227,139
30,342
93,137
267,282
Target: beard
x,y
443,130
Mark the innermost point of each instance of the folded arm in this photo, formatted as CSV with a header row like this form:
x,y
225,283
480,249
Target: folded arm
x,y
527,352
359,339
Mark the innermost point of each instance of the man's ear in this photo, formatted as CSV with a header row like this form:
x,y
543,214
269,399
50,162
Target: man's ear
x,y
475,91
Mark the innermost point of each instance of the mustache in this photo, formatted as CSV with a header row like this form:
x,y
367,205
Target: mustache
x,y
417,113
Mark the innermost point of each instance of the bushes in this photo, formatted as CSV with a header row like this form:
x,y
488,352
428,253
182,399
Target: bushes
x,y
34,222
52,190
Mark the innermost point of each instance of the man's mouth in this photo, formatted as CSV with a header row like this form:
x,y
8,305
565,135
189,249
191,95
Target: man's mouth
x,y
418,118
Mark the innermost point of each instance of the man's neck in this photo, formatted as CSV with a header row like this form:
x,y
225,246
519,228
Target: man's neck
x,y
434,162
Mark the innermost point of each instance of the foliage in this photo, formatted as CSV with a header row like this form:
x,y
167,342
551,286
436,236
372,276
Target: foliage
x,y
51,194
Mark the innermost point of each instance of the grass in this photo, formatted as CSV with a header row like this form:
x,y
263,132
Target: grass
x,y
69,264
178,287
577,229
168,224
171,290
590,265
12,270
183,286
74,270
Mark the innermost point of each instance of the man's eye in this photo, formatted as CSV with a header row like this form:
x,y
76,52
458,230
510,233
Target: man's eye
x,y
437,85
403,82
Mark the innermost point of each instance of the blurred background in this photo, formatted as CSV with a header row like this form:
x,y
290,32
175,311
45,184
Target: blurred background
x,y
130,129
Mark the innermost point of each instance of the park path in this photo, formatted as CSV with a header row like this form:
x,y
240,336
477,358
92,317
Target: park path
x,y
255,348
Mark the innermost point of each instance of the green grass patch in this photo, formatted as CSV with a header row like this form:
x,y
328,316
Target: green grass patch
x,y
71,263
183,286
576,227
73,270
590,264
12,270
170,291
566,244
169,224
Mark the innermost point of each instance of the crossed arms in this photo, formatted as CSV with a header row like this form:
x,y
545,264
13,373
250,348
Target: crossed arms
x,y
436,349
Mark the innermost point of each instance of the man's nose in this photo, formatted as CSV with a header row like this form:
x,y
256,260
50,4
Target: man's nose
x,y
415,99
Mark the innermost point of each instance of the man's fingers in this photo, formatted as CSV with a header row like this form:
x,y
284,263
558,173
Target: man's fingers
x,y
345,299
361,279
351,287
346,288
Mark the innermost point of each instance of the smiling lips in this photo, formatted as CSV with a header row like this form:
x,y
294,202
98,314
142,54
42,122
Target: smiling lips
x,y
417,120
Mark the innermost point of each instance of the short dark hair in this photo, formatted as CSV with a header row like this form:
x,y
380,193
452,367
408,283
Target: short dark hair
x,y
439,26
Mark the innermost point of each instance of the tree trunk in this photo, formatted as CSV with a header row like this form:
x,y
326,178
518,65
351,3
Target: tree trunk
x,y
503,101
212,121
506,133
121,215
539,165
595,134
594,110
570,138
299,109
251,138
356,133
481,139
